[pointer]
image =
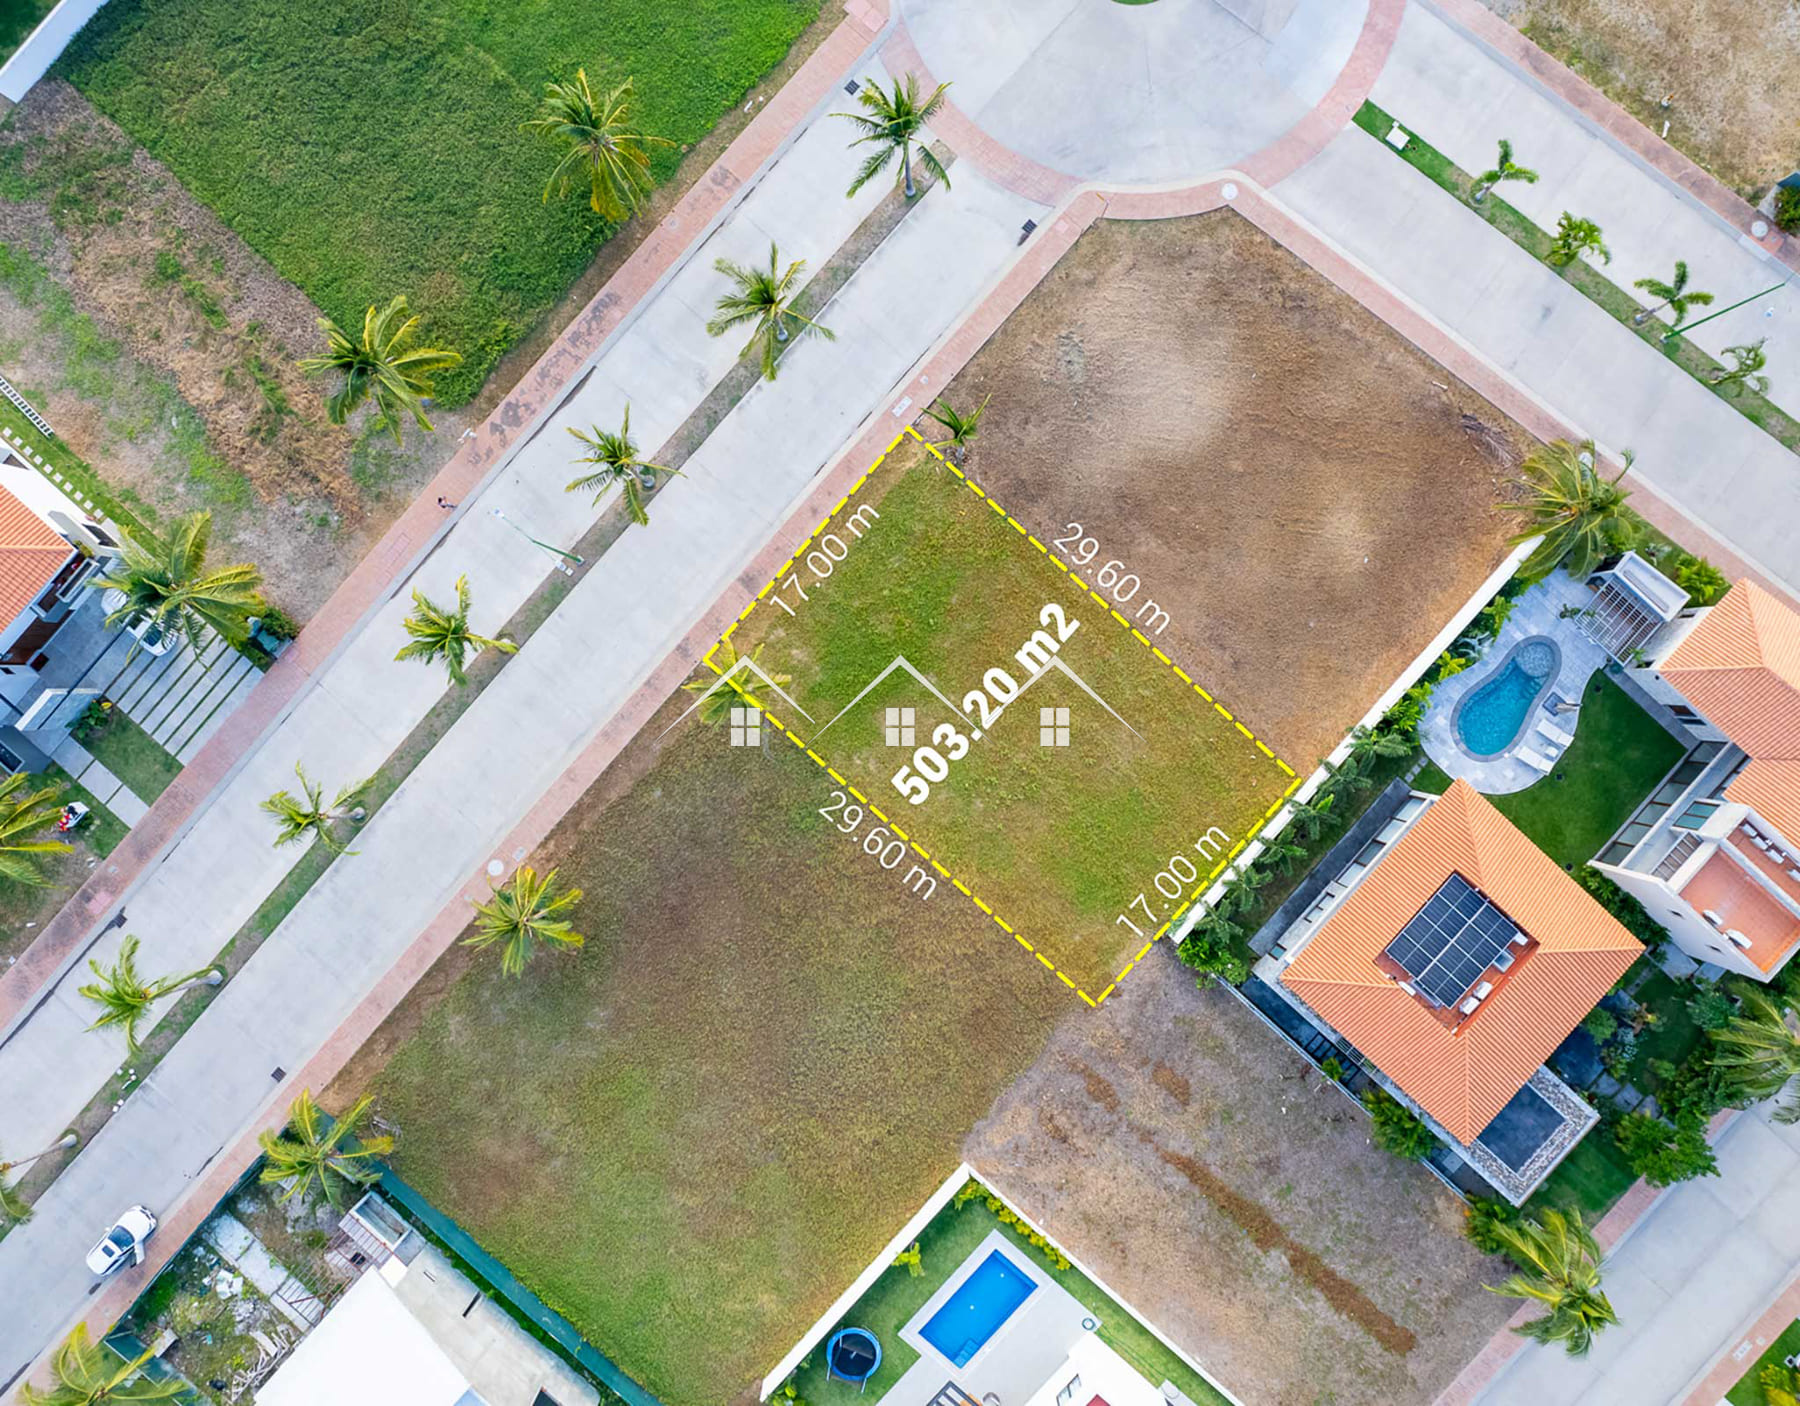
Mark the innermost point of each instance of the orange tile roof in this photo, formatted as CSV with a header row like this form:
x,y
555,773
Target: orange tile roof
x,y
1463,1076
1721,886
30,555
1771,788
1740,666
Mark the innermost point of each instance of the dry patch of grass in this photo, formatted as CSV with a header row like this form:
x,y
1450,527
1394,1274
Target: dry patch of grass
x,y
692,1135
1305,493
1728,71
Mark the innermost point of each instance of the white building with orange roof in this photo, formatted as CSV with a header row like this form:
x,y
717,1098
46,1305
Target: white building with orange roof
x,y
1714,854
1450,966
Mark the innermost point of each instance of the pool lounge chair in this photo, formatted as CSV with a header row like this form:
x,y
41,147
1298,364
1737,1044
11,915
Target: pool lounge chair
x,y
1554,733
1536,760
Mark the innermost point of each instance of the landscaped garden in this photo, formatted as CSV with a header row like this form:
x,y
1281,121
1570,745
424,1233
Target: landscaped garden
x,y
405,168
1750,1389
943,1245
762,1061
1087,847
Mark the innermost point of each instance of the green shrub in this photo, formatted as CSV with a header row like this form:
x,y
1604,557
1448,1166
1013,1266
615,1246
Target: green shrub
x,y
1333,1069
1710,1007
1397,1129
1601,1023
278,623
1483,1214
1698,1089
1703,581
910,1258
1635,917
1787,209
1663,1153
966,1193
1208,950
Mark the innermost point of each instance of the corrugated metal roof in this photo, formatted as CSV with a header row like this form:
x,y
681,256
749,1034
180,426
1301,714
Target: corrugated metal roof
x,y
1463,1076
31,554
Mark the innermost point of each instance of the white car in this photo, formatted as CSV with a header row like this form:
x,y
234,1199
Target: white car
x,y
124,1242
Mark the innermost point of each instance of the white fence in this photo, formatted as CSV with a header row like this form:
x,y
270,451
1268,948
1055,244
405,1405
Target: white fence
x,y
32,59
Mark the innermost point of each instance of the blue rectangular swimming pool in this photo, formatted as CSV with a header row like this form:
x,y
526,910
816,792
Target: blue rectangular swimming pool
x,y
981,1303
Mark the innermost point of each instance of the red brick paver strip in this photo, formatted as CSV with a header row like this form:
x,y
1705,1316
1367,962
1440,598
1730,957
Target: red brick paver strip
x,y
1742,1352
1495,34
73,930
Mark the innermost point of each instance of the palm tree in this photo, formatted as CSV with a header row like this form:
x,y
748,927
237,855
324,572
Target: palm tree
x,y
1574,237
167,584
1561,1270
1579,513
892,122
604,150
12,1205
438,633
1759,1055
616,462
964,429
765,298
312,816
89,1373
1673,294
1504,169
24,813
1366,744
1746,361
306,1152
383,366
522,914
717,705
125,998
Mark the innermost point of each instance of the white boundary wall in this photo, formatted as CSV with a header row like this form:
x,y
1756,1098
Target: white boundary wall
x,y
44,45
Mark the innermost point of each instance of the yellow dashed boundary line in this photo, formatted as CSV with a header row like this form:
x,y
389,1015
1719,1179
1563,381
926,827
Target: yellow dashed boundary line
x,y
1107,605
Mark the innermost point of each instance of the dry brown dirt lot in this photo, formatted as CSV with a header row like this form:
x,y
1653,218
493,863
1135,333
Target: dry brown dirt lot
x,y
1308,495
1206,1172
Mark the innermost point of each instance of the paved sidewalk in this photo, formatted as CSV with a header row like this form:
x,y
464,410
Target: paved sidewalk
x,y
1703,1262
585,663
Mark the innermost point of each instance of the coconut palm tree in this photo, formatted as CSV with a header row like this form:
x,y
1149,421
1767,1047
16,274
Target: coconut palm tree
x,y
1574,237
89,1373
1759,1054
1579,513
522,914
603,148
382,366
440,633
892,122
716,705
125,998
1746,361
1504,169
311,816
306,1152
1561,1270
24,813
169,585
12,1205
1673,295
616,463
764,297
964,429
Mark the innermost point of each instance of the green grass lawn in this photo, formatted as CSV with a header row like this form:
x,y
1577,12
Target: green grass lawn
x,y
944,1244
1619,754
1062,842
1590,1179
1748,1391
689,1137
373,148
130,754
17,19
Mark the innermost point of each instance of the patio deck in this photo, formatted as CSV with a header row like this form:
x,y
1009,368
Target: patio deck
x,y
1536,612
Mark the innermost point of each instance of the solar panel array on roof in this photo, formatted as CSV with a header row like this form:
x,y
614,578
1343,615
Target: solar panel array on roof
x,y
1453,939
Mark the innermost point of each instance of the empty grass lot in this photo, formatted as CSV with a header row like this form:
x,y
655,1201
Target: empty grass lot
x,y
693,1134
1063,842
374,147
